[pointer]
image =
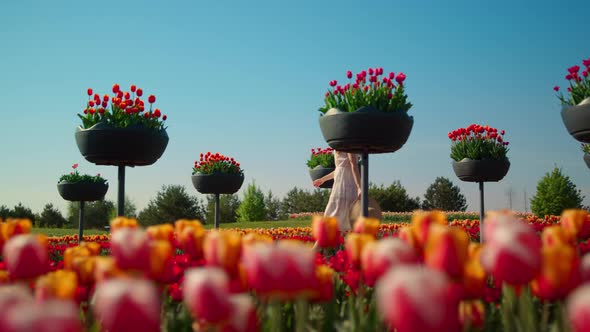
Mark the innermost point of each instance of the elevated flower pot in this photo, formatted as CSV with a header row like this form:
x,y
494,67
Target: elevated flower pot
x,y
320,171
587,159
82,191
102,144
218,183
485,170
577,120
366,130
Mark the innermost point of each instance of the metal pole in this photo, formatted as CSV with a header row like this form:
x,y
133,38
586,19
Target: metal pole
x,y
121,195
365,184
81,223
216,211
481,212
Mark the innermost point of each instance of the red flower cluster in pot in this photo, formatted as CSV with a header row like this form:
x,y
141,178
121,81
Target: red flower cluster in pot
x,y
477,142
210,163
579,84
321,157
126,109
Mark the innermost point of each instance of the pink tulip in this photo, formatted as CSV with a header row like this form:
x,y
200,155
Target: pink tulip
x,y
578,309
400,78
414,298
206,294
130,249
512,252
127,305
49,316
349,74
26,256
585,268
378,257
243,315
13,295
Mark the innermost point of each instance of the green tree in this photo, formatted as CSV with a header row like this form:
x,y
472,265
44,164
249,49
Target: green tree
x,y
443,195
171,203
228,207
129,210
252,207
299,200
394,198
21,211
51,217
555,193
273,207
96,214
4,212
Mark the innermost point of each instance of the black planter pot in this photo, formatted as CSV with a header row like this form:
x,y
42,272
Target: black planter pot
x,y
577,121
218,183
587,159
82,191
133,146
366,130
487,170
319,172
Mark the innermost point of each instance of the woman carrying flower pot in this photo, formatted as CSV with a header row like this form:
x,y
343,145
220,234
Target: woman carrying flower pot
x,y
346,189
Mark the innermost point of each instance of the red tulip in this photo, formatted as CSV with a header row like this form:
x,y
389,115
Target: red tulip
x,y
556,88
127,95
400,78
89,91
206,294
354,245
560,273
512,252
164,117
116,88
130,249
122,305
414,298
379,256
133,88
446,250
223,249
26,256
576,223
49,316
151,99
349,74
578,309
139,92
243,315
585,268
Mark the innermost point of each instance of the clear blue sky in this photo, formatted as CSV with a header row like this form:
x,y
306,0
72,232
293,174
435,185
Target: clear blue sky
x,y
245,78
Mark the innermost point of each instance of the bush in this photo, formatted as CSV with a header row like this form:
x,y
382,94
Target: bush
x,y
51,217
22,212
393,198
96,214
273,207
444,195
252,207
299,200
171,203
555,193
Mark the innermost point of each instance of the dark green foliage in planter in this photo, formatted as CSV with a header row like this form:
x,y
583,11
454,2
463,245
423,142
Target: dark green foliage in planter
x,y
170,204
555,193
51,217
444,195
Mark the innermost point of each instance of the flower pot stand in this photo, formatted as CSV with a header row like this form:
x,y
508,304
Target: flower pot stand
x,y
217,184
82,193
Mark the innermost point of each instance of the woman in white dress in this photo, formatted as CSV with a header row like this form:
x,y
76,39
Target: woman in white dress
x,y
346,189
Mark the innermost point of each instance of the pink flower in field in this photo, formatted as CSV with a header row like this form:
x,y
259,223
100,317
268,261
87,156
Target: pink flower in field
x,y
26,256
379,71
573,70
400,78
127,305
416,298
243,315
585,73
568,77
556,88
371,71
75,166
206,294
391,75
130,249
378,257
578,309
12,295
333,83
53,315
349,74
586,62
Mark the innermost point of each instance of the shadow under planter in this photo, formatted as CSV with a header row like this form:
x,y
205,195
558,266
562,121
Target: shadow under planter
x,y
319,172
485,170
364,131
577,121
103,144
82,192
217,183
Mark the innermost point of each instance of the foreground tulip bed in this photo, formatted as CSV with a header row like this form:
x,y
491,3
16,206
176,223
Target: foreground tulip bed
x,y
427,275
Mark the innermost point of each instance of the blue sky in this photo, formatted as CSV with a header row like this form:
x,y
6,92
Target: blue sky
x,y
246,79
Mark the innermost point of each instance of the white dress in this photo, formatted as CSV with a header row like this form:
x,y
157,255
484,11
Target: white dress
x,y
344,191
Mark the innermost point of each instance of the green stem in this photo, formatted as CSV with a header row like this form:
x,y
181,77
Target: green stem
x,y
276,313
301,311
507,308
545,318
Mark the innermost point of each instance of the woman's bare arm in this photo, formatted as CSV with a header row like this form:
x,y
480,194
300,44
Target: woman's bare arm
x,y
323,179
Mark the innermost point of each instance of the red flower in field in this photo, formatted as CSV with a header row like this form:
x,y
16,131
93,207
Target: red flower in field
x,y
585,73
371,71
127,95
325,230
151,99
89,91
379,256
133,88
349,74
206,294
116,88
130,249
26,256
578,309
573,70
139,92
569,77
400,78
569,89
243,315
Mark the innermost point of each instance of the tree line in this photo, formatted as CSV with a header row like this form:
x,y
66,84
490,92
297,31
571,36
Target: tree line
x,y
555,192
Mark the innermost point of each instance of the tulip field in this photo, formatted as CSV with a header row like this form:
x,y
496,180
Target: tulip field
x,y
428,274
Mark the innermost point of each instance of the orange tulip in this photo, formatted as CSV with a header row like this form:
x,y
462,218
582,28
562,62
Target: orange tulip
x,y
474,275
191,235
421,222
130,249
85,249
324,290
446,250
366,226
164,232
252,238
354,245
26,256
379,256
560,272
223,249
326,232
60,284
554,235
123,222
14,227
4,277
576,223
161,261
407,235
472,313
206,294
105,268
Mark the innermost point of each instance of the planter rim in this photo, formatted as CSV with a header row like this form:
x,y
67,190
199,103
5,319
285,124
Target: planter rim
x,y
104,126
220,174
321,167
366,110
479,160
84,182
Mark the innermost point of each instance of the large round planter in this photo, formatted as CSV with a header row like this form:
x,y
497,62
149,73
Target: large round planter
x,y
366,130
102,144
218,183
577,120
486,170
320,171
587,159
82,191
